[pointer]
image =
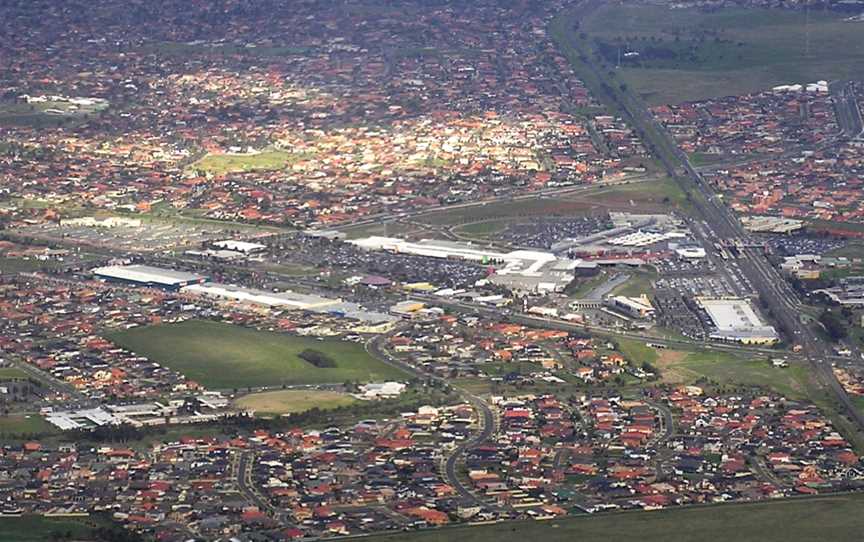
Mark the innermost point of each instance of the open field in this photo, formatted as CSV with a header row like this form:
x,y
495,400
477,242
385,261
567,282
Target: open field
x,y
46,114
648,196
482,230
688,54
640,282
726,369
42,529
636,351
25,424
582,286
23,265
231,163
852,250
291,401
722,368
800,520
662,195
222,356
12,372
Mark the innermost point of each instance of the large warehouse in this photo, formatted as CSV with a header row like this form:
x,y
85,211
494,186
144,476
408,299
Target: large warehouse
x,y
289,300
735,320
145,275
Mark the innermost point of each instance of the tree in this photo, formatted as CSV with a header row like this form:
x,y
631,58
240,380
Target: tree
x,y
833,325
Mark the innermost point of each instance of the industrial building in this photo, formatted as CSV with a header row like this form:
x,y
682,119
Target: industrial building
x,y
286,300
145,275
771,224
735,320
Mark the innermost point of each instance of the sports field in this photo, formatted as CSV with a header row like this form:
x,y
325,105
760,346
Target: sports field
x,y
219,164
223,356
804,520
25,425
687,54
292,401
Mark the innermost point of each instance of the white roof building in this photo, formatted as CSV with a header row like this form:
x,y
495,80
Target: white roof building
x,y
240,246
290,300
735,320
146,275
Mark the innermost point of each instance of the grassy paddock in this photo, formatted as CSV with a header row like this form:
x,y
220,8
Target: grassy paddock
x,y
798,520
224,356
650,196
688,54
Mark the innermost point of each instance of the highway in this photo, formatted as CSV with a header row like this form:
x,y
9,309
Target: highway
x,y
722,225
847,110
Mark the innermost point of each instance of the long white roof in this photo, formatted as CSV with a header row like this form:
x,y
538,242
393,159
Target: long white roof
x,y
146,274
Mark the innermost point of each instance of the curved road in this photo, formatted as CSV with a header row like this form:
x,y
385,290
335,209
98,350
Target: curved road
x,y
487,421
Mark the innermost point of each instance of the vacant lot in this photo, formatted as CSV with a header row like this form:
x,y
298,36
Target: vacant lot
x,y
224,356
291,401
824,519
728,369
688,54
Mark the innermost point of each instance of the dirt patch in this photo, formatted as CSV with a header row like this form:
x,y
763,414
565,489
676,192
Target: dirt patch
x,y
671,372
670,357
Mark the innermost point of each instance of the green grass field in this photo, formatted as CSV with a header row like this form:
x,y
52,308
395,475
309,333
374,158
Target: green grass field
x,y
636,351
727,369
826,519
652,196
223,356
41,529
12,372
22,265
852,250
640,282
688,54
45,114
483,229
291,401
219,164
23,425
582,286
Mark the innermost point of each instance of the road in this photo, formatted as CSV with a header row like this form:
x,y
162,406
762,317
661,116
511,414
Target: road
x,y
488,425
244,482
847,110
